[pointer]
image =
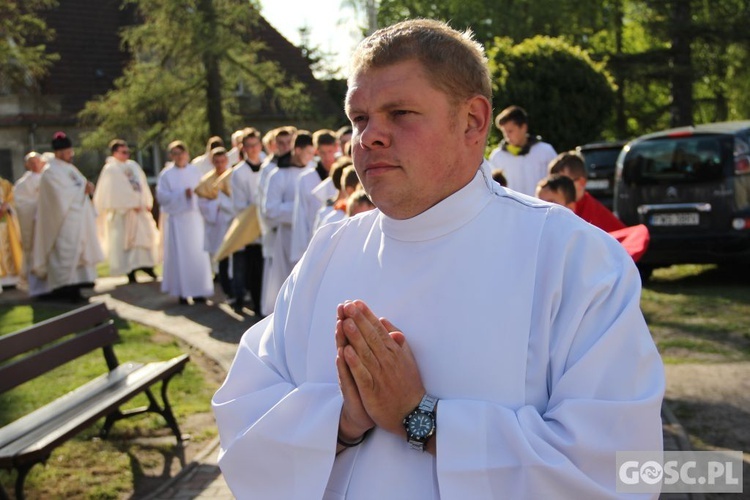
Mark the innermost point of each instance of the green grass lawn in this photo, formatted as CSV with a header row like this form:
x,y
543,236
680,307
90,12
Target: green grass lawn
x,y
86,466
699,313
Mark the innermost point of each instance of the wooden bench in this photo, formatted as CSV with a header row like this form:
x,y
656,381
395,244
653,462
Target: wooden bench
x,y
38,349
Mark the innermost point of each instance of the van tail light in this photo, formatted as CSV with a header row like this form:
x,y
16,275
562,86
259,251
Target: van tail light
x,y
681,133
742,165
740,223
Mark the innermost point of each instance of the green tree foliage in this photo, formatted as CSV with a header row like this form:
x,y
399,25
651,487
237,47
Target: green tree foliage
x,y
23,57
674,61
568,96
190,58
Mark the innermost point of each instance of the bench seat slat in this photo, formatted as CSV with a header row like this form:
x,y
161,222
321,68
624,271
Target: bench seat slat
x,y
42,439
80,395
19,371
52,329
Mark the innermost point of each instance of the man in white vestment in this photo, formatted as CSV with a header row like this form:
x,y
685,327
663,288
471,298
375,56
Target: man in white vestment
x,y
247,264
276,210
282,140
26,195
522,157
216,208
187,265
306,202
123,200
463,340
65,248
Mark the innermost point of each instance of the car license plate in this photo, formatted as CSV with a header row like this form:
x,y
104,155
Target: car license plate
x,y
597,184
679,219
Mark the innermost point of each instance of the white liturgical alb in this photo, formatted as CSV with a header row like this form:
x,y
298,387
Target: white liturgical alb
x,y
524,320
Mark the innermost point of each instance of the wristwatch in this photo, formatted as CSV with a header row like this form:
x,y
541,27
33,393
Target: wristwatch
x,y
420,423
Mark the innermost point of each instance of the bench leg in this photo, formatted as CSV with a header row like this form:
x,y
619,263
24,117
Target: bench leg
x,y
20,479
167,413
153,406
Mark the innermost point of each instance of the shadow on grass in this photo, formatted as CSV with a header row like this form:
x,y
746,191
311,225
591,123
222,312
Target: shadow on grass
x,y
699,313
713,426
153,464
728,282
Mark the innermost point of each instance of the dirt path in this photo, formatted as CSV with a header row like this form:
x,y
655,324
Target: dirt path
x,y
712,402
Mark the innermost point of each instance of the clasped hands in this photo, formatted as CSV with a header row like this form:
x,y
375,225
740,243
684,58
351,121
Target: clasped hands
x,y
378,374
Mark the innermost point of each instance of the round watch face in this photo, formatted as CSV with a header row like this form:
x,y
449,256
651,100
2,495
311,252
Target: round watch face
x,y
420,425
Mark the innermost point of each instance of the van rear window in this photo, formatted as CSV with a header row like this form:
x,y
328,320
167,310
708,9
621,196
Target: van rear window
x,y
598,159
697,158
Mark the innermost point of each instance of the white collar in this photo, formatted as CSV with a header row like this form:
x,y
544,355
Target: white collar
x,y
445,217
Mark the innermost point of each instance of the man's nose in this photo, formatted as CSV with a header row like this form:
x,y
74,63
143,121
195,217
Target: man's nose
x,y
376,134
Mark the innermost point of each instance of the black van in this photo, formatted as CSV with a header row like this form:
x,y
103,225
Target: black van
x,y
691,187
600,159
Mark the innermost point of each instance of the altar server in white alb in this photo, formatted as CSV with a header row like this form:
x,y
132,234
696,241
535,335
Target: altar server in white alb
x,y
26,194
307,202
66,248
247,263
463,340
187,266
276,210
215,204
123,201
522,157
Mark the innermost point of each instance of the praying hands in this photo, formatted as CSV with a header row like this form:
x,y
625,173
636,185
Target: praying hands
x,y
378,374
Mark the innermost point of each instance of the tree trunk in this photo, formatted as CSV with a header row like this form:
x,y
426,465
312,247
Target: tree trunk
x,y
213,96
621,124
213,75
682,71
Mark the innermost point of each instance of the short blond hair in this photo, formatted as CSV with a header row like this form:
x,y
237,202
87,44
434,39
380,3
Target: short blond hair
x,y
454,61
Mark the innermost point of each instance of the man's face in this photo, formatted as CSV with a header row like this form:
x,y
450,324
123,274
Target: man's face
x,y
283,144
35,164
580,182
220,163
305,155
179,157
327,154
515,134
122,153
65,155
343,140
252,147
408,142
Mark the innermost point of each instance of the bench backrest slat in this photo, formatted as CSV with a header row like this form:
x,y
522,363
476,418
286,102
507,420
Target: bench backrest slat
x,y
29,367
52,329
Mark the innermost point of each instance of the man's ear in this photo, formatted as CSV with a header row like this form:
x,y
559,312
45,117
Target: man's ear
x,y
479,112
